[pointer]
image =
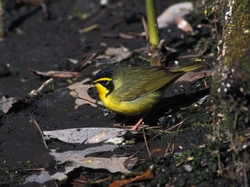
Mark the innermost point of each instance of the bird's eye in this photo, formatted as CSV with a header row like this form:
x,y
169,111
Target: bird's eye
x,y
104,82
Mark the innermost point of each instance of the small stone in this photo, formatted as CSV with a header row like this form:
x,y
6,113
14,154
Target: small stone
x,y
188,168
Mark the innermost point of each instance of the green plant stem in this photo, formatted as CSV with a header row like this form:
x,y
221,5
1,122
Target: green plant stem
x,y
152,22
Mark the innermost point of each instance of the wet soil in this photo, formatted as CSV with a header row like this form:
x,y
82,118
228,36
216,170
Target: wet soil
x,y
44,41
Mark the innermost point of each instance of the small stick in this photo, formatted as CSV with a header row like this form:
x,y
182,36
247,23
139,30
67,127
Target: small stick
x,y
95,182
145,140
171,143
39,129
90,56
179,124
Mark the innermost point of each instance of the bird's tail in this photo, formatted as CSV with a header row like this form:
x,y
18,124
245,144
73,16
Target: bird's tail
x,y
189,67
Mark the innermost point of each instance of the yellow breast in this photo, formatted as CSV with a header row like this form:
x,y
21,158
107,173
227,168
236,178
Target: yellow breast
x,y
134,107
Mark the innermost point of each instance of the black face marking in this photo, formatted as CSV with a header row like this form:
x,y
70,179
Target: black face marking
x,y
105,78
110,86
108,73
107,84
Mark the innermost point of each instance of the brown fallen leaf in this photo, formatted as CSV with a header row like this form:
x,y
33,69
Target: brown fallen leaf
x,y
88,59
184,26
157,153
193,76
80,92
55,74
130,163
80,181
174,11
148,175
113,55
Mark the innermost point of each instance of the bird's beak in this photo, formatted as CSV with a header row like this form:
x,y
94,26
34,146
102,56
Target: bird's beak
x,y
89,82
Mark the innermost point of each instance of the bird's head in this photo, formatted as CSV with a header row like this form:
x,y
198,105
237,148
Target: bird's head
x,y
103,81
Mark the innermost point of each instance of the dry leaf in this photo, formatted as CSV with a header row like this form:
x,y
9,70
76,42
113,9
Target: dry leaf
x,y
177,10
148,175
76,159
130,162
113,55
55,74
184,26
80,92
193,76
113,164
6,103
85,135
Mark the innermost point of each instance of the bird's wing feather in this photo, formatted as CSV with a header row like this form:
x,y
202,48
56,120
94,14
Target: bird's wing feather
x,y
146,81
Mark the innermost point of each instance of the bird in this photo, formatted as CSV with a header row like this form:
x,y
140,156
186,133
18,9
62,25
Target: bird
x,y
133,91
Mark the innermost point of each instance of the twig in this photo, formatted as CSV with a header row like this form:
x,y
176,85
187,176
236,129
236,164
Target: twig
x,y
95,182
235,119
56,185
166,152
145,27
90,56
145,140
39,129
179,124
245,176
95,18
197,55
35,92
35,169
89,28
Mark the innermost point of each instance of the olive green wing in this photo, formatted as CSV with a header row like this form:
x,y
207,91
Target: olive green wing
x,y
138,81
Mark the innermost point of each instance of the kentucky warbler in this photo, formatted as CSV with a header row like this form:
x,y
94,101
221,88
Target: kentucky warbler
x,y
135,90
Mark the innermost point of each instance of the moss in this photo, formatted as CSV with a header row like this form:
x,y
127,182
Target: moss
x,y
231,87
205,163
16,174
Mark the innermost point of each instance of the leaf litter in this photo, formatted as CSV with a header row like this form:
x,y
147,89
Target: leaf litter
x,y
6,103
76,159
85,135
80,92
55,74
113,55
174,12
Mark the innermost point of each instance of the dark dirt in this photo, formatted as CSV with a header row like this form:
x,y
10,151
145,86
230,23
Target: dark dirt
x,y
44,41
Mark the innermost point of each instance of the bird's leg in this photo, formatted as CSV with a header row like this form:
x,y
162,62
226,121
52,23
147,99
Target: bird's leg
x,y
135,127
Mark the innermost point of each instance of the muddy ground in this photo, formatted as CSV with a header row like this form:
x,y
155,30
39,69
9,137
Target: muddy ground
x,y
44,41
